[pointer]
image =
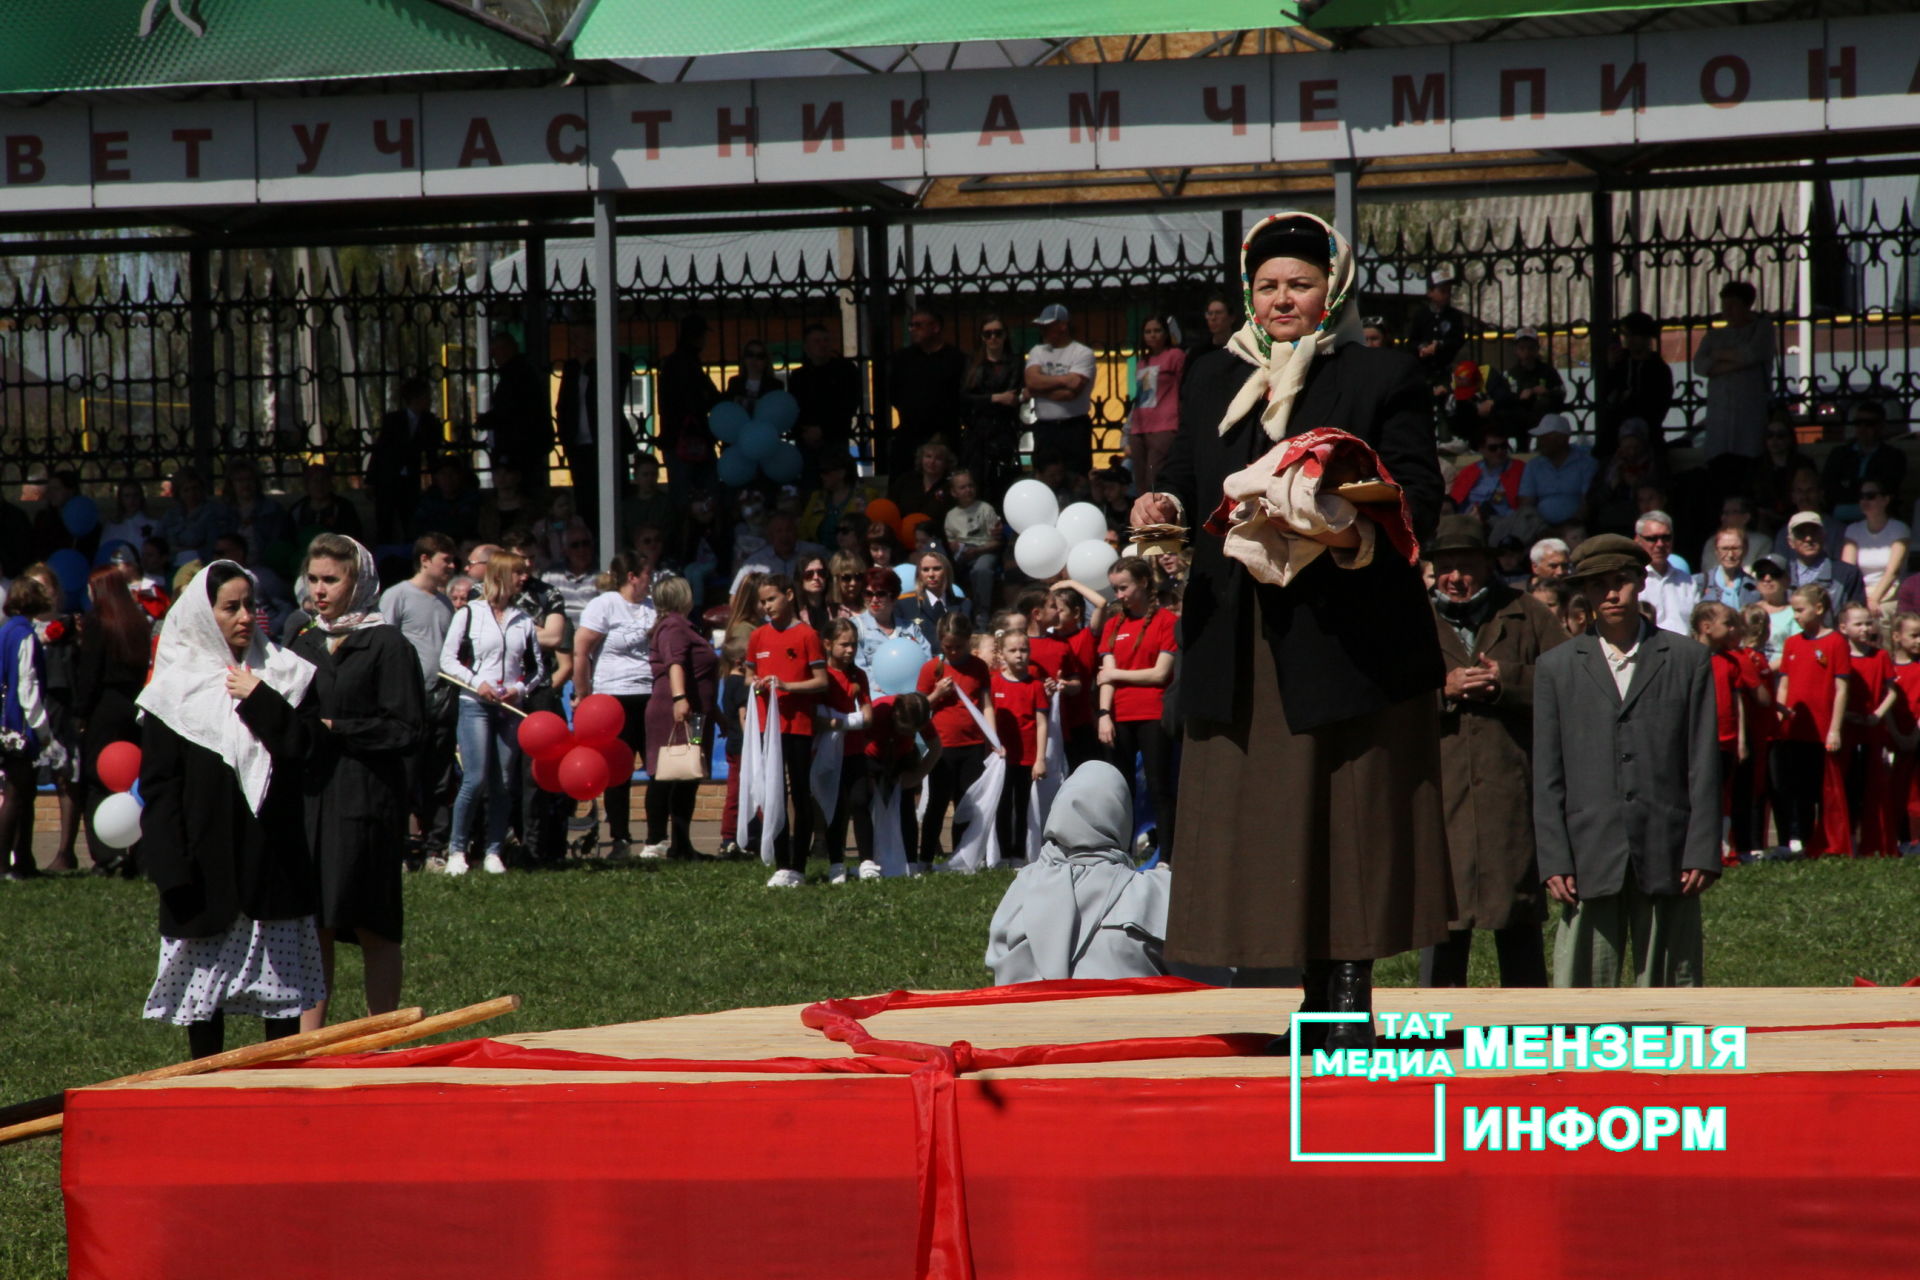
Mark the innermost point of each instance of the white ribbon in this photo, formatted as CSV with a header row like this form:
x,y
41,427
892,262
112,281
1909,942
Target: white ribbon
x,y
1040,804
980,807
763,780
889,847
829,757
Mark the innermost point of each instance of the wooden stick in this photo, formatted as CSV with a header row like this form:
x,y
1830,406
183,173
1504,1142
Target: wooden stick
x,y
43,1115
504,706
433,1026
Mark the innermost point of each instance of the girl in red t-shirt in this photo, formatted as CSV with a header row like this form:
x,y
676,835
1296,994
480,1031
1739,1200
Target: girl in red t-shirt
x,y
954,675
1808,783
784,654
1020,706
1906,729
1075,670
848,695
1136,665
1717,626
1761,728
1873,693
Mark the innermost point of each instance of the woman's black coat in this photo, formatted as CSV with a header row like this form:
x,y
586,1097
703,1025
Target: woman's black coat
x,y
1346,642
212,858
357,803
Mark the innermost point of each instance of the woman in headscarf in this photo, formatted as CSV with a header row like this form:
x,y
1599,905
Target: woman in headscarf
x,y
1082,911
367,693
224,745
1311,767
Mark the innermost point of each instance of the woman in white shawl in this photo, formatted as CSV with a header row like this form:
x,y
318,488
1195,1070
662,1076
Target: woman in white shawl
x,y
366,691
1082,911
224,738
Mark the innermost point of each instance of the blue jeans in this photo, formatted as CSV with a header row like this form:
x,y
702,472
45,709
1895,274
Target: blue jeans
x,y
487,749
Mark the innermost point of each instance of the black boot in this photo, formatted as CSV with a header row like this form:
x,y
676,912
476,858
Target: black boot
x,y
1350,990
1313,999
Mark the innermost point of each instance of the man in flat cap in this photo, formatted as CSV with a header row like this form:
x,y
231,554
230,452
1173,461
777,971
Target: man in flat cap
x,y
1492,636
1626,795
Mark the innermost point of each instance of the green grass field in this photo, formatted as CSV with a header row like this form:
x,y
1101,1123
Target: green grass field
x,y
599,944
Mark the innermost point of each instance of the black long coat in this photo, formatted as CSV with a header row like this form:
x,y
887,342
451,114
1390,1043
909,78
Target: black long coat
x,y
212,858
1346,642
356,792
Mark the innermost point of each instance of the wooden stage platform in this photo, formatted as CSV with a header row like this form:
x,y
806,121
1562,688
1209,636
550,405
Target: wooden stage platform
x,y
953,1142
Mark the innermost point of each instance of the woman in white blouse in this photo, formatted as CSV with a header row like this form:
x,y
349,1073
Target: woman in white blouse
x,y
494,649
1877,544
611,656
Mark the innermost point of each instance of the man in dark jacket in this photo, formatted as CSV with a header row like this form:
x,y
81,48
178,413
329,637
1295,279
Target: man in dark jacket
x,y
577,414
1437,333
1626,797
1491,636
1642,385
518,423
687,394
827,386
410,438
923,384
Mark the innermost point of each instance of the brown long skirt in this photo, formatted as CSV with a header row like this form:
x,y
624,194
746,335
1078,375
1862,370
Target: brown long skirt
x,y
1326,845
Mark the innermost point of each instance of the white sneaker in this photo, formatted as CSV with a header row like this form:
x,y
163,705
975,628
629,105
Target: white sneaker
x,y
785,880
870,870
456,864
838,875
493,865
653,850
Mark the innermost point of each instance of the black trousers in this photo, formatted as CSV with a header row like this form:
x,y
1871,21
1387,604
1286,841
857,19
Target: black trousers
x,y
959,768
1747,828
434,778
1016,804
1083,744
670,815
1523,957
1071,438
1158,754
620,790
795,841
1797,769
853,807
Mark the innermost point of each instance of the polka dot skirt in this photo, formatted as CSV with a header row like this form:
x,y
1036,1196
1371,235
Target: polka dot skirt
x,y
257,968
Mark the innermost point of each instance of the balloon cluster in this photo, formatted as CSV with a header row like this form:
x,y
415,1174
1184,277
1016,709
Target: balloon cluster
x,y
116,820
753,439
583,761
1051,539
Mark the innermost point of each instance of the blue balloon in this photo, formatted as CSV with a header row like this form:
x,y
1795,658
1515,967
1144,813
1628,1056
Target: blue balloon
x,y
784,464
71,568
759,440
778,408
727,420
896,666
80,515
909,578
134,791
736,469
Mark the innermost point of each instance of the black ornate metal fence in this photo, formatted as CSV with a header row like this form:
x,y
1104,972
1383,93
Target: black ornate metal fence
x,y
103,369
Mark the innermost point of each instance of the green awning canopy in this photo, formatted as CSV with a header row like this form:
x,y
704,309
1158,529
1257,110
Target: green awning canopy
x,y
657,28
1382,13
66,46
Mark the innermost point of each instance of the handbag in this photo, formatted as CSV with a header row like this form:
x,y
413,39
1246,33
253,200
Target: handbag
x,y
680,761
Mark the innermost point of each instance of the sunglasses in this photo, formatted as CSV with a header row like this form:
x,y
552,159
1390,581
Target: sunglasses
x,y
1656,537
852,577
879,595
993,333
814,573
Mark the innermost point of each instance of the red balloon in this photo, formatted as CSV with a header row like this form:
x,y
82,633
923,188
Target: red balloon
x,y
544,734
546,774
118,765
619,762
583,773
598,718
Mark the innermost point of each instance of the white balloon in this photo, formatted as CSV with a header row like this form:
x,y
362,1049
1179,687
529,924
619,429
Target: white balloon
x,y
1088,563
1041,551
1082,522
116,823
1030,503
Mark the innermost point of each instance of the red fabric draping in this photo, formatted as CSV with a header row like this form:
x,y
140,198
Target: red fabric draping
x,y
857,1119
1066,1180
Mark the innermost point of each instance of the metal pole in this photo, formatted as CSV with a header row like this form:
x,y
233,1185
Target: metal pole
x,y
533,319
1346,211
1233,229
1600,304
200,375
607,386
879,341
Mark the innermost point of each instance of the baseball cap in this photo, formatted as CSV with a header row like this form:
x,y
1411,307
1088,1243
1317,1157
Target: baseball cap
x,y
1443,275
1804,518
1052,313
1526,331
1554,424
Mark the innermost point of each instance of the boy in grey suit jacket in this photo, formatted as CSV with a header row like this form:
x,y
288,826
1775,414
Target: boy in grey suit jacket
x,y
1626,788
